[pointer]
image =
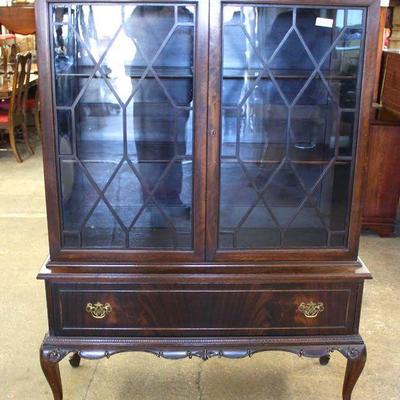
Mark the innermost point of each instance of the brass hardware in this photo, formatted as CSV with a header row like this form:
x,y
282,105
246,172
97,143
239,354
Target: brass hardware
x,y
311,309
98,310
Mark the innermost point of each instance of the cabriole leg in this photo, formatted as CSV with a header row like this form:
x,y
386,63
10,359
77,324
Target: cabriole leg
x,y
49,363
324,360
75,360
355,365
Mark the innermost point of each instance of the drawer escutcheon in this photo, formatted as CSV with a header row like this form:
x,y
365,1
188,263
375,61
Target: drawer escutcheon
x,y
311,309
98,310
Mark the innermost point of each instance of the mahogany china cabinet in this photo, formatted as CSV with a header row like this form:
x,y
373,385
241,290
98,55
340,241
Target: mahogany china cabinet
x,y
204,162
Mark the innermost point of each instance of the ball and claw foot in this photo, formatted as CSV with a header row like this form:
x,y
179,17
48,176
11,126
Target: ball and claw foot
x,y
75,360
324,360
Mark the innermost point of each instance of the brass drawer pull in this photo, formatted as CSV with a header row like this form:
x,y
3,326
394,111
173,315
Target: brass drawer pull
x,y
311,309
98,310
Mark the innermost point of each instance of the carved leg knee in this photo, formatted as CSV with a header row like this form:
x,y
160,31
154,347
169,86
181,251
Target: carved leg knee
x,y
356,359
49,363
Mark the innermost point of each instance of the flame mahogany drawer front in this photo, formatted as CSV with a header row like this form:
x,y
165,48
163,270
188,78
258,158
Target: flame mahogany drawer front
x,y
202,310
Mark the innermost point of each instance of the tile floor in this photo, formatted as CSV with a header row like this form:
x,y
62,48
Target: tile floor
x,y
267,376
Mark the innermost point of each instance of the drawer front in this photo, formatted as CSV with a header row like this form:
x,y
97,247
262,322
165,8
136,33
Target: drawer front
x,y
131,310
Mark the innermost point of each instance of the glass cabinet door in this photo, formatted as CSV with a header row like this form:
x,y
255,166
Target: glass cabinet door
x,y
124,89
290,88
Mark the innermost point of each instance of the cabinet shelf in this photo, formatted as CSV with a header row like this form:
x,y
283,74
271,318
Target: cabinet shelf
x,y
182,72
239,73
133,72
274,153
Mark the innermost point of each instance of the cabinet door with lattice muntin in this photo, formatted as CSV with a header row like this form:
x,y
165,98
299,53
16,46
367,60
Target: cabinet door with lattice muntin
x,y
290,89
125,105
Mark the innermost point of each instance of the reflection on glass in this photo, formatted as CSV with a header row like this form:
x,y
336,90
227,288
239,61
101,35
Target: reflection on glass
x,y
289,110
124,94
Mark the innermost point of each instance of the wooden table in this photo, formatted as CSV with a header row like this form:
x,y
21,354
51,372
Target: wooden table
x,y
18,19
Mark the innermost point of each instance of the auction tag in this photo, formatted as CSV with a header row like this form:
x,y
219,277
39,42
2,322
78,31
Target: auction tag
x,y
324,22
385,3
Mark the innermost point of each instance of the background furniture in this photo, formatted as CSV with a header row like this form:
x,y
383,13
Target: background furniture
x,y
32,110
18,19
7,83
203,166
13,111
8,50
394,41
381,43
382,190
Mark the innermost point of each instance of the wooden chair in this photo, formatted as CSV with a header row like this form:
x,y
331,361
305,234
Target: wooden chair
x,y
14,115
8,50
5,55
33,108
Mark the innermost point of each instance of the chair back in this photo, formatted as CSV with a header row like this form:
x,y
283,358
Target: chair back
x,y
5,56
20,89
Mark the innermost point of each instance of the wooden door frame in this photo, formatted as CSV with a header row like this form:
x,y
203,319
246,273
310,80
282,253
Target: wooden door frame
x,y
214,127
50,158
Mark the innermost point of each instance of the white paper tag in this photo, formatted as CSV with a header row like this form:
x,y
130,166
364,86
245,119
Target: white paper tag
x,y
324,22
385,3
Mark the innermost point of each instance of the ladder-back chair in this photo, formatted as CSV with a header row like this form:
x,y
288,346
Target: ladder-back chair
x,y
15,114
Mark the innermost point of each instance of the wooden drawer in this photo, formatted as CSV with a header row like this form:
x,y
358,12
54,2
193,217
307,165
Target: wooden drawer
x,y
202,310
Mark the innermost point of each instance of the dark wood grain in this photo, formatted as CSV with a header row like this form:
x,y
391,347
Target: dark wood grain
x,y
353,371
382,24
212,309
92,348
382,190
214,128
367,92
391,83
200,136
18,20
282,270
48,137
51,371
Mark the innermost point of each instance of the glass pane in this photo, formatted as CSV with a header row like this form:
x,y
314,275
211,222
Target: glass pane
x,y
102,229
76,189
65,131
291,80
124,109
71,55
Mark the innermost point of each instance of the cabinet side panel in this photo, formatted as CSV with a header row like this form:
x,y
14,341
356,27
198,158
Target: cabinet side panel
x,y
48,137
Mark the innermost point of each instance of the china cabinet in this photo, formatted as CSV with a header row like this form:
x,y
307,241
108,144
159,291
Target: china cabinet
x,y
204,164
